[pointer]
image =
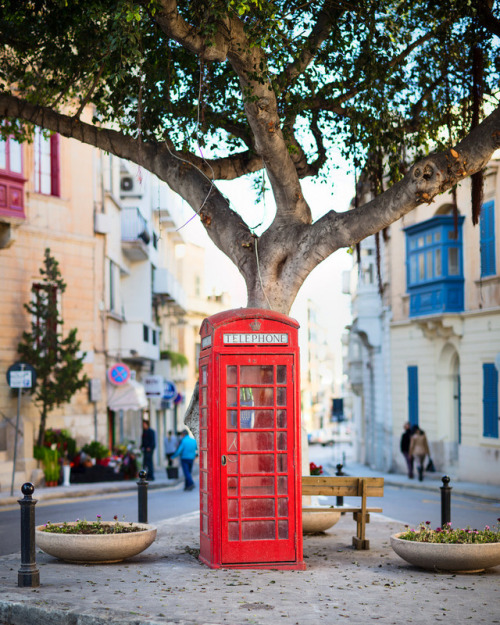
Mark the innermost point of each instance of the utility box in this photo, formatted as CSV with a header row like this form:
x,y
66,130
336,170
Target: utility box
x,y
250,438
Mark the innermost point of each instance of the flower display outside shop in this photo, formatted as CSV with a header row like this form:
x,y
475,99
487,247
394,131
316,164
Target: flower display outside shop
x,y
449,535
315,469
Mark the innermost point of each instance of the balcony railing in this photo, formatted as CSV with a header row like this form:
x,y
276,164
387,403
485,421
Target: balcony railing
x,y
135,234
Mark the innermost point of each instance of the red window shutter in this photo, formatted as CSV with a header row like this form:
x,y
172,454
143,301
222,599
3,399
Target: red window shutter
x,y
55,185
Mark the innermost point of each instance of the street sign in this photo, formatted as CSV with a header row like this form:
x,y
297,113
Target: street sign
x,y
169,390
153,385
21,375
119,374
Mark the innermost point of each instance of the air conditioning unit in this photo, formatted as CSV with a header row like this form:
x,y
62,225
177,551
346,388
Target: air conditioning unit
x,y
130,186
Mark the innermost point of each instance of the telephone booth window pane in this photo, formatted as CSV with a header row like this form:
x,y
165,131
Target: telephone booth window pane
x,y
281,396
282,486
203,417
281,420
204,396
283,506
257,485
205,523
232,441
204,378
282,463
258,530
204,502
232,508
256,375
257,441
233,531
203,460
232,464
281,441
253,396
232,486
256,419
257,463
283,529
232,419
257,508
232,396
281,374
203,438
203,480
232,376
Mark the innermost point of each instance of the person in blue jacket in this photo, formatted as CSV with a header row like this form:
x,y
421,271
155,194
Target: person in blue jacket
x,y
187,452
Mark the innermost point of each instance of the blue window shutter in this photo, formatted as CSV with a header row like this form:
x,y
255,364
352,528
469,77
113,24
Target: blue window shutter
x,y
487,236
490,400
413,395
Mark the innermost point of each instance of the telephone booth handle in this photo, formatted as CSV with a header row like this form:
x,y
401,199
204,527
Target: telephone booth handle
x,y
223,461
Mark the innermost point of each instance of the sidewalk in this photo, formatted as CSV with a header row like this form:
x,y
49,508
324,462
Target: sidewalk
x,y
167,584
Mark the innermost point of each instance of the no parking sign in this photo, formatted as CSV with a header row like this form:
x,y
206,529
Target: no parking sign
x,y
119,374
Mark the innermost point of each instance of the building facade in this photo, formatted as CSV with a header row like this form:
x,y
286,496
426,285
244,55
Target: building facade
x,y
438,320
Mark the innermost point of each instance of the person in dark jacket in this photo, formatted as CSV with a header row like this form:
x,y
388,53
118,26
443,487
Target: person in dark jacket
x,y
148,444
405,448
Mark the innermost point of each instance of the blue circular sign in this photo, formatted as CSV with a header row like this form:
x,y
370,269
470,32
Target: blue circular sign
x,y
169,391
119,374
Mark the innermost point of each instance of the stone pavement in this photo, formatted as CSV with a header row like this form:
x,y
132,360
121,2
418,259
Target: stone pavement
x,y
167,584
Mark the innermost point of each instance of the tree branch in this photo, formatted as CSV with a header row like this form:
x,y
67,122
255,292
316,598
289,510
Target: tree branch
x,y
173,25
224,226
427,178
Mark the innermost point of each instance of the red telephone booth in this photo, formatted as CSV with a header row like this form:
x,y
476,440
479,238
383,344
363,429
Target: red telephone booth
x,y
250,477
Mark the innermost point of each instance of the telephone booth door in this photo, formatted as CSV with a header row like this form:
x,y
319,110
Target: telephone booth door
x,y
257,460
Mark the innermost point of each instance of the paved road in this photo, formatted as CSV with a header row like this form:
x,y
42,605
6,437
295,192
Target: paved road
x,y
413,506
162,504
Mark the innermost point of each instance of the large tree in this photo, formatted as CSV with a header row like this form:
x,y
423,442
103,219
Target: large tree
x,y
208,90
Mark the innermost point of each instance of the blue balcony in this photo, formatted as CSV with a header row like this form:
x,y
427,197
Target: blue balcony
x,y
434,261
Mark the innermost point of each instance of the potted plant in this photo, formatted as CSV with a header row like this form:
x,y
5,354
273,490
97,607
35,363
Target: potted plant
x,y
446,549
97,451
85,542
49,457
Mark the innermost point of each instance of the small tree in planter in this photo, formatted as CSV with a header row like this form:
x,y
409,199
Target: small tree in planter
x,y
54,358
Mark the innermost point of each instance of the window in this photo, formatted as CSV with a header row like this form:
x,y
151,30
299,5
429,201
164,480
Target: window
x,y
435,266
145,333
46,154
490,400
412,374
487,239
11,178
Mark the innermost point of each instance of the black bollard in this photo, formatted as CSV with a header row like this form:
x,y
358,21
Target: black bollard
x,y
445,501
28,575
142,494
339,500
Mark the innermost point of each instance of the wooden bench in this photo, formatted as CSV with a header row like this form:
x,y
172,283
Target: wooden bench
x,y
345,486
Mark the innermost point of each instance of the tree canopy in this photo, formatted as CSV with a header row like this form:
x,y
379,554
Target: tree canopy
x,y
207,90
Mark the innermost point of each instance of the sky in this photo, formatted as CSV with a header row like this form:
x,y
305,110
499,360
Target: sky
x,y
323,285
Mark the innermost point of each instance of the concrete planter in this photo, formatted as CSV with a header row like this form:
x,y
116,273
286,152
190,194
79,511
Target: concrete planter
x,y
447,557
95,549
319,519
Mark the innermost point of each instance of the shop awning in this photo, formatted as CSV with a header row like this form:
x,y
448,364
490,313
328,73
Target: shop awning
x,y
130,396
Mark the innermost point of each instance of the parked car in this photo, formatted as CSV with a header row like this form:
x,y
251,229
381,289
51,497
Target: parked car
x,y
321,437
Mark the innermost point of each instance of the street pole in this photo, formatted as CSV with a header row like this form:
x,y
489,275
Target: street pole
x,y
16,436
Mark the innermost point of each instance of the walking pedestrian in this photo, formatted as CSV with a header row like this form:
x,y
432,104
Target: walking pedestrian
x,y
171,444
187,453
419,449
405,448
148,444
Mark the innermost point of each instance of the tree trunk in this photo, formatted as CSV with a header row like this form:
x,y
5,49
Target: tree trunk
x,y
41,429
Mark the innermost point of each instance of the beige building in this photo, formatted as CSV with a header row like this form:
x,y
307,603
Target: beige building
x,y
47,201
427,350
